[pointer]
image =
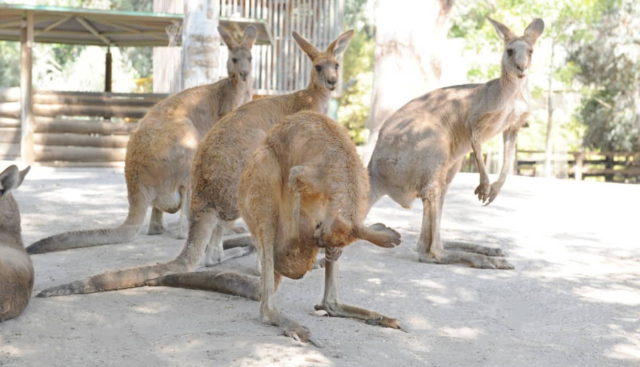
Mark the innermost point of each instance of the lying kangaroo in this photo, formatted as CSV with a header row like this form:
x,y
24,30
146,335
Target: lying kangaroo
x,y
304,189
422,145
16,270
160,152
218,163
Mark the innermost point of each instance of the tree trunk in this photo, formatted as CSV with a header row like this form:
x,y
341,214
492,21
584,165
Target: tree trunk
x,y
548,150
409,36
167,61
200,42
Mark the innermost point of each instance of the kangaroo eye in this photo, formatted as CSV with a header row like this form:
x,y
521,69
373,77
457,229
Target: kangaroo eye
x,y
318,68
249,58
234,60
530,52
337,66
510,52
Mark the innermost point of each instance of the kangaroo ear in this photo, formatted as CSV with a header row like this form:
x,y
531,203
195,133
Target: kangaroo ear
x,y
339,45
11,178
379,235
307,47
503,31
227,38
250,36
534,30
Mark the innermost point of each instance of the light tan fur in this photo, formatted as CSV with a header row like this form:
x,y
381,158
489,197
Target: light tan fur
x,y
16,270
422,145
218,163
160,152
304,189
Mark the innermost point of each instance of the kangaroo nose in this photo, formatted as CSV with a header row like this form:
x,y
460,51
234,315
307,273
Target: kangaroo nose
x,y
332,82
243,74
520,68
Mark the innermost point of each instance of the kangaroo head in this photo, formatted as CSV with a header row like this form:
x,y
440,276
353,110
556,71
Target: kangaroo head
x,y
325,70
10,179
516,58
239,61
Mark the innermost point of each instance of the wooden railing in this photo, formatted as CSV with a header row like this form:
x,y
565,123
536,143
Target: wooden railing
x,y
611,166
74,126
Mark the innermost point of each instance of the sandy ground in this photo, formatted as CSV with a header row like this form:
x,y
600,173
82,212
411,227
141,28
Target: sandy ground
x,y
573,299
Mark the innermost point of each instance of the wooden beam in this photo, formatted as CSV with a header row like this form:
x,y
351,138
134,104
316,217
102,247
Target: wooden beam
x,y
54,24
44,153
48,125
79,140
26,90
11,23
93,31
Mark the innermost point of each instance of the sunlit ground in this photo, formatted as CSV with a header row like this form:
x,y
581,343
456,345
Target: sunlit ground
x,y
573,299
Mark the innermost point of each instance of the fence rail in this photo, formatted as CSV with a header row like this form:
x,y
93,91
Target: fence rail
x,y
74,126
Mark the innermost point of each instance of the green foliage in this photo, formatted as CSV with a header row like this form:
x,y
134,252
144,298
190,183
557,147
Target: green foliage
x,y
9,64
609,69
357,71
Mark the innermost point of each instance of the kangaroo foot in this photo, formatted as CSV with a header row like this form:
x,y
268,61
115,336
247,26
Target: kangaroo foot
x,y
478,249
155,228
289,327
369,317
471,259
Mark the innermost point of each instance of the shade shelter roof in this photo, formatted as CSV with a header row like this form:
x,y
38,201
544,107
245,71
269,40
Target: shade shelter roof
x,y
103,27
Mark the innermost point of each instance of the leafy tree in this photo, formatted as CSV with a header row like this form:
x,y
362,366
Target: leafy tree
x,y
357,70
608,59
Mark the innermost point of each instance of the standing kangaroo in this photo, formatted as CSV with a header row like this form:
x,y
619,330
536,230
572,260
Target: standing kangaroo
x,y
218,163
305,188
160,152
422,145
16,270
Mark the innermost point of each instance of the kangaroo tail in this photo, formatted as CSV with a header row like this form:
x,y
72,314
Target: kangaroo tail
x,y
114,280
191,253
87,238
228,282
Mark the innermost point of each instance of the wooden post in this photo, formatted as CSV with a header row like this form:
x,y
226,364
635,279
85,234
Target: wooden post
x,y
579,166
26,90
107,71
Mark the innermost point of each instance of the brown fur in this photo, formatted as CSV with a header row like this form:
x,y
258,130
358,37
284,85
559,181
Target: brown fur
x,y
160,152
421,146
16,270
303,189
216,170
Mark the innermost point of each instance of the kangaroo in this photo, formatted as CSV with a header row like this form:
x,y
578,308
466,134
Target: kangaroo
x,y
16,270
422,145
304,189
218,163
160,152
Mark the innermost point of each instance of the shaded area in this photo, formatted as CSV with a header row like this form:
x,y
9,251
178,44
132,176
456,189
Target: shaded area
x,y
573,298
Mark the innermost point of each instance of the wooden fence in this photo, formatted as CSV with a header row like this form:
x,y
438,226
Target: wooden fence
x,y
73,126
282,67
610,166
